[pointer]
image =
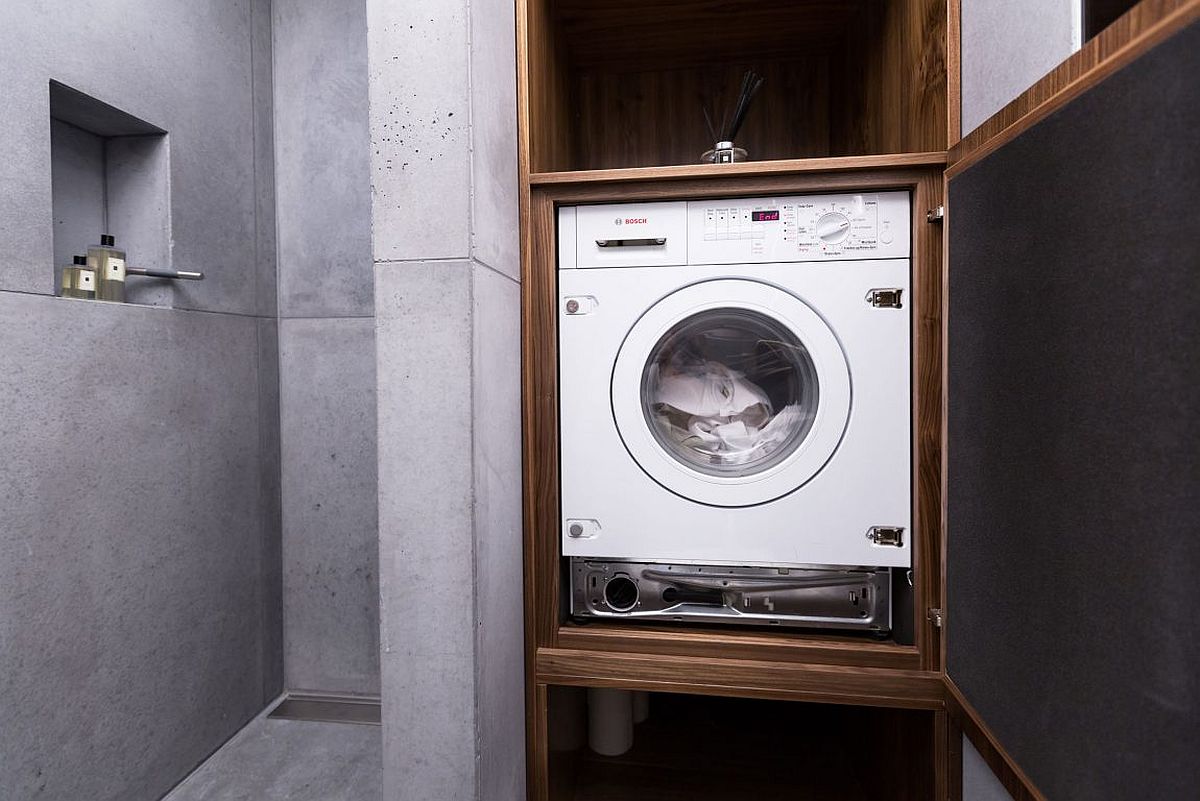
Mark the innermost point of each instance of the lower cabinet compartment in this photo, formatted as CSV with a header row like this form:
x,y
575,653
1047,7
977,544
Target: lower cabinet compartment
x,y
697,748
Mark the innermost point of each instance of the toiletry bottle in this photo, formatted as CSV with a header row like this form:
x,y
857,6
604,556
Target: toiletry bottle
x,y
78,280
109,264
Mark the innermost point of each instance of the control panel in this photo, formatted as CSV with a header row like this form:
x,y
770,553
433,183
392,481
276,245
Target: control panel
x,y
754,230
799,228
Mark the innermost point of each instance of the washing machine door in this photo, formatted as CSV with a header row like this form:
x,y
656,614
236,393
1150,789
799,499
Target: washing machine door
x,y
731,392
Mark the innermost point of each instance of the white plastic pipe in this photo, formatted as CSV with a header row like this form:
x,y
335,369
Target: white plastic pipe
x,y
610,721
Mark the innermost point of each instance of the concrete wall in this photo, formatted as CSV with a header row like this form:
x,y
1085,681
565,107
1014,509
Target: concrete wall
x,y
1007,45
979,783
139,589
327,343
443,177
134,615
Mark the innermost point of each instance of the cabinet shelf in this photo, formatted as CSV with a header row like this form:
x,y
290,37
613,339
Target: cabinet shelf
x,y
696,749
618,83
744,169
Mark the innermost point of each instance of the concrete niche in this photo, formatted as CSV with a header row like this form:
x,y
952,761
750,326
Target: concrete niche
x,y
110,173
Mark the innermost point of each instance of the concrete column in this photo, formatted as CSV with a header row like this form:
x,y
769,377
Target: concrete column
x,y
444,212
1007,45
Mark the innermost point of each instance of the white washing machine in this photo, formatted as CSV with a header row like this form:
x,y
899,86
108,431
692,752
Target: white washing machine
x,y
734,386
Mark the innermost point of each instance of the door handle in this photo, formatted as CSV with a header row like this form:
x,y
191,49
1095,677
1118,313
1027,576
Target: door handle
x,y
630,243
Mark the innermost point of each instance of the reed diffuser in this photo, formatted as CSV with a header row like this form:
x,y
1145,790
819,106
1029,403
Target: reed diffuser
x,y
724,151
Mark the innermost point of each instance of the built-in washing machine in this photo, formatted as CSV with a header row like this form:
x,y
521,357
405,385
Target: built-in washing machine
x,y
735,414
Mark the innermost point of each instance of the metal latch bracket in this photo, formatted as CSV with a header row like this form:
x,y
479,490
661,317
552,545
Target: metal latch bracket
x,y
935,617
886,535
886,298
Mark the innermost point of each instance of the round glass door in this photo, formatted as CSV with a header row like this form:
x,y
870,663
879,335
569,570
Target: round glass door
x,y
730,392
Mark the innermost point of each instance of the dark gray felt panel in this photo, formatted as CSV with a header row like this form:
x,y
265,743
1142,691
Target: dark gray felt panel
x,y
1074,444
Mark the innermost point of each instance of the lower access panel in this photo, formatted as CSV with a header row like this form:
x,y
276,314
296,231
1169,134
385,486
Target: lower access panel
x,y
756,596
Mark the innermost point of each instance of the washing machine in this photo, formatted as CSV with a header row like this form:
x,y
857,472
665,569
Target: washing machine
x,y
735,409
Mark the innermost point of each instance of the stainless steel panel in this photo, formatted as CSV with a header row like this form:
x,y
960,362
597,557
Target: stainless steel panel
x,y
760,596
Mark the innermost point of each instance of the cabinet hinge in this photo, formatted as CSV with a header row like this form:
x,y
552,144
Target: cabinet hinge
x,y
936,214
935,617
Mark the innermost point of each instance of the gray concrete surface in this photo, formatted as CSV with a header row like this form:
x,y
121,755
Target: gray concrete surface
x,y
420,128
131,599
140,600
322,158
495,234
290,760
1007,45
426,529
979,783
444,210
330,537
77,176
262,83
326,286
186,66
271,512
499,653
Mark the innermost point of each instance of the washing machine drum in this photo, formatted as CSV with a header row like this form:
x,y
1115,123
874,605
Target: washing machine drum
x,y
731,393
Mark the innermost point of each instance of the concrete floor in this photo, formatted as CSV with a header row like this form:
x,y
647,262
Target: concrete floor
x,y
291,760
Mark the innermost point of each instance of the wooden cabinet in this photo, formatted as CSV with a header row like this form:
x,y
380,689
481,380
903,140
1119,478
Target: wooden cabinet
x,y
624,83
859,95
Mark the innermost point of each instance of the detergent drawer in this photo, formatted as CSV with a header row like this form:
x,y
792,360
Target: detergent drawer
x,y
631,235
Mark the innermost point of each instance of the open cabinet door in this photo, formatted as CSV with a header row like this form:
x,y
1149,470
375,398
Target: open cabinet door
x,y
1073,489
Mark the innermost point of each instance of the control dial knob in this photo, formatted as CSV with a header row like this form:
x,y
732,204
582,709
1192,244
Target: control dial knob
x,y
833,227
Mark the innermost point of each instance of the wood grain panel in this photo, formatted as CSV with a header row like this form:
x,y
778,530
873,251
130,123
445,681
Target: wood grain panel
x,y
620,83
1145,25
731,644
928,413
537,764
910,689
633,34
655,118
730,749
743,170
544,96
1007,771
540,429
953,72
890,84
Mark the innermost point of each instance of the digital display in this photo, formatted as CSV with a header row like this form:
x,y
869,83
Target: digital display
x,y
764,216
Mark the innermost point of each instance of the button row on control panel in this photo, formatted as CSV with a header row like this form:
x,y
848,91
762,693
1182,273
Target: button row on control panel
x,y
721,224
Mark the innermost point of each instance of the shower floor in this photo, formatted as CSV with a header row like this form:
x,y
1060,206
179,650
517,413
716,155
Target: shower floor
x,y
291,760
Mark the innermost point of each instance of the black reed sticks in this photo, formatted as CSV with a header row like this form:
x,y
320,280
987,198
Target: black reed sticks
x,y
730,124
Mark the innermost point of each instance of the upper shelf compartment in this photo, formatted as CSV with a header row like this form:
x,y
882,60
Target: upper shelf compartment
x,y
623,83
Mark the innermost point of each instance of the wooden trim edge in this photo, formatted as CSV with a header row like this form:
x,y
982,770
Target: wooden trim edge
x,y
908,689
1080,72
1015,781
744,169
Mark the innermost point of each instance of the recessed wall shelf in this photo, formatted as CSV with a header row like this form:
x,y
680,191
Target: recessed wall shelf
x,y
110,173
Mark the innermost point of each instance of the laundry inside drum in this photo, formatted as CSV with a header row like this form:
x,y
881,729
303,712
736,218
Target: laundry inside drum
x,y
730,392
